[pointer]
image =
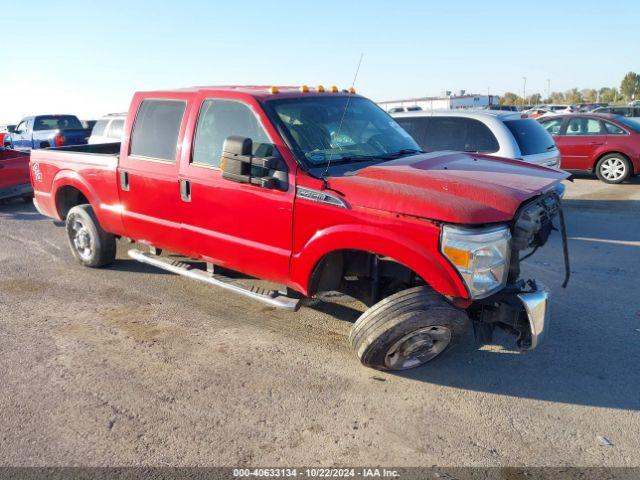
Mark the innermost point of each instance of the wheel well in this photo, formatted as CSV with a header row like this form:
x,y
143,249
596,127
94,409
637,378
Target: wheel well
x,y
364,275
595,165
68,197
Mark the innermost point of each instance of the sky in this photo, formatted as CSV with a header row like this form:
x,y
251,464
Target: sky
x,y
87,58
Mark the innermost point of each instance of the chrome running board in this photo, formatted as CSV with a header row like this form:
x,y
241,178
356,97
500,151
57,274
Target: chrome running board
x,y
270,297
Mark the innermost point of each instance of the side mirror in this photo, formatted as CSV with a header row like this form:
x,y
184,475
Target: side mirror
x,y
239,165
11,128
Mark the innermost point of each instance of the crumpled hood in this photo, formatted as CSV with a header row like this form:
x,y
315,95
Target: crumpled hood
x,y
450,187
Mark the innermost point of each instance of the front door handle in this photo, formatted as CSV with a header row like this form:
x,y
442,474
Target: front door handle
x,y
124,181
597,143
185,190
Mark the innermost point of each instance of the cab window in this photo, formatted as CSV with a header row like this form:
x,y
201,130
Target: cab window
x,y
219,119
155,132
583,126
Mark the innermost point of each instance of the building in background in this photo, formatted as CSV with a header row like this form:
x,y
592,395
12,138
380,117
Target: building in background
x,y
448,101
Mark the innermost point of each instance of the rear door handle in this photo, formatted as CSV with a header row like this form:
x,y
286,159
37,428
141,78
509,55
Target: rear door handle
x,y
185,190
124,181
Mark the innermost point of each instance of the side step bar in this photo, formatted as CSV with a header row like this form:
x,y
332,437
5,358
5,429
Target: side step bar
x,y
270,297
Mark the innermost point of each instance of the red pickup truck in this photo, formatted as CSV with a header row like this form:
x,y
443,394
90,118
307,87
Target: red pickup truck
x,y
314,190
14,175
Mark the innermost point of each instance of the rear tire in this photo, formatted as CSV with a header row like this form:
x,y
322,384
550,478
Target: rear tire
x,y
613,168
90,244
407,329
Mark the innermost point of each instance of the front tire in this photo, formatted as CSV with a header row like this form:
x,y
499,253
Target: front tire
x,y
407,329
90,244
613,168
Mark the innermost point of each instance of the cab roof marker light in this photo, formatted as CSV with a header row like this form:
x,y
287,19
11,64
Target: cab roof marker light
x,y
304,89
334,89
274,90
352,90
320,88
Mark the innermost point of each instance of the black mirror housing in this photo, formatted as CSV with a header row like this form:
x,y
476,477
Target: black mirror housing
x,y
239,165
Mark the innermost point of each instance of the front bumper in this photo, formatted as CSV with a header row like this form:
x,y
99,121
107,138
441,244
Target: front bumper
x,y
520,309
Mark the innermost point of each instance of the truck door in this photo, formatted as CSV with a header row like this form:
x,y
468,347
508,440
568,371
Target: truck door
x,y
243,227
14,169
148,172
19,135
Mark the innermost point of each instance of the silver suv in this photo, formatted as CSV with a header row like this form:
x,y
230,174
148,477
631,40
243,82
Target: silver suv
x,y
503,134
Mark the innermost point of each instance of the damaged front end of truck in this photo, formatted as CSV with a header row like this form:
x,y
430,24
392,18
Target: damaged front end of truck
x,y
522,306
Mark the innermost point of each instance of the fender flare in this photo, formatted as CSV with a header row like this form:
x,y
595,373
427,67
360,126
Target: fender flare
x,y
70,178
434,269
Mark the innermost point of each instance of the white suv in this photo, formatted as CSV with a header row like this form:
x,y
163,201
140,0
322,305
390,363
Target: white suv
x,y
108,129
494,132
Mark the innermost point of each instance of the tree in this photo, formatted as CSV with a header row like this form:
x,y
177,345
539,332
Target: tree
x,y
573,96
510,98
557,97
608,95
630,86
535,99
589,95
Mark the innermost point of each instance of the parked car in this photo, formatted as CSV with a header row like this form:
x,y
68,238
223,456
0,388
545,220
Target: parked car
x,y
558,108
536,112
108,129
44,131
14,175
503,108
607,145
504,134
316,191
619,110
413,108
4,130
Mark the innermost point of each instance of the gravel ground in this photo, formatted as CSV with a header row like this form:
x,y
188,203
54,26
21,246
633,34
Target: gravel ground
x,y
129,365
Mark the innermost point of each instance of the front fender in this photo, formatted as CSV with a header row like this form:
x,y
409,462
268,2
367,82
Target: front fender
x,y
423,258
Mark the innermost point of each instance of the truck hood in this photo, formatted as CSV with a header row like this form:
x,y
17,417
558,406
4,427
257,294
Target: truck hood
x,y
449,187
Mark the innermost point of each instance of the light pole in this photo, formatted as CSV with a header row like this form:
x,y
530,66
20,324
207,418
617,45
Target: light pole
x,y
524,91
549,90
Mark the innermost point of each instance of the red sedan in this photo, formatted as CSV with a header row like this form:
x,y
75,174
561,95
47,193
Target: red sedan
x,y
14,175
607,145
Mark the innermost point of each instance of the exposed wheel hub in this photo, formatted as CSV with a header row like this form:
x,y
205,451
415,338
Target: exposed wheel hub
x,y
418,347
81,239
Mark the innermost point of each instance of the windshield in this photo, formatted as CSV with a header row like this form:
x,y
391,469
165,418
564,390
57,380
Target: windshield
x,y
632,123
57,122
532,137
340,129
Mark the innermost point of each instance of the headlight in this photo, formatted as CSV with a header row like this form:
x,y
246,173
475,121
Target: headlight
x,y
481,255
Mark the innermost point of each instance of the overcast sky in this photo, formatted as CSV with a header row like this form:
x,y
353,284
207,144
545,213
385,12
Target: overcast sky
x,y
87,58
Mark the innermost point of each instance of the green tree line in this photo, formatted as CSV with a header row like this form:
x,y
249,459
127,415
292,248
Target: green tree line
x,y
629,90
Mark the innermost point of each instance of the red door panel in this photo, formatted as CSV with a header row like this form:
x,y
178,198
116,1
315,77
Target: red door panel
x,y
14,168
580,143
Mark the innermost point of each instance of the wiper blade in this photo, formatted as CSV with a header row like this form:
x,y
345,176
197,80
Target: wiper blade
x,y
356,158
551,147
401,153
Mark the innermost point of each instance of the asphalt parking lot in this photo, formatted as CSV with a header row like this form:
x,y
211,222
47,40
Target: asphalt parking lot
x,y
129,365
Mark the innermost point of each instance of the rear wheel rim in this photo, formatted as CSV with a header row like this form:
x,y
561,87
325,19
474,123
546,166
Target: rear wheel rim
x,y
613,168
81,238
417,347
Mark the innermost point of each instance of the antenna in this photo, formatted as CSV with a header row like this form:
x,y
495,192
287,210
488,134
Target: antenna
x,y
346,107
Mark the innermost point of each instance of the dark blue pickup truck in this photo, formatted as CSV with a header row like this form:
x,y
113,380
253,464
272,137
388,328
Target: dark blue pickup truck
x,y
44,131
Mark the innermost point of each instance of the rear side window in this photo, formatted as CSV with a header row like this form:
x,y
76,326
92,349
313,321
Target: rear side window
x,y
220,119
613,129
99,128
416,127
531,137
115,129
155,133
461,134
583,126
